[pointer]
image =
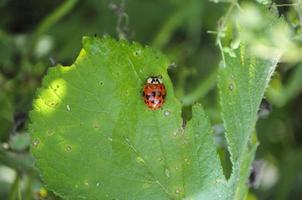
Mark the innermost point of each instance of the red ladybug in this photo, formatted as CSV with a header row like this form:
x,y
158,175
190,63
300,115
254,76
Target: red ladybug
x,y
154,92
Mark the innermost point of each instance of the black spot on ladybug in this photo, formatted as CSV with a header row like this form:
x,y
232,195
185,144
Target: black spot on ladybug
x,y
144,94
152,101
153,94
159,101
148,97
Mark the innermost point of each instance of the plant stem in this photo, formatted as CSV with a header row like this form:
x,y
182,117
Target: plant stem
x,y
221,29
170,25
19,162
14,192
201,90
299,10
52,19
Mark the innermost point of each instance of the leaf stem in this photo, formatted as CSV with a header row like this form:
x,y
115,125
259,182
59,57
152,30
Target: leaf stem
x,y
121,28
221,52
221,29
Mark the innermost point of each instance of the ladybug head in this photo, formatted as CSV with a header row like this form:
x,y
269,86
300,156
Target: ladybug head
x,y
154,80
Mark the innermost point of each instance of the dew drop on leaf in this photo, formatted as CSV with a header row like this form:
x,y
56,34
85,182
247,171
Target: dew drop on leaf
x,y
68,107
231,86
140,160
166,113
68,148
175,134
137,53
167,172
36,142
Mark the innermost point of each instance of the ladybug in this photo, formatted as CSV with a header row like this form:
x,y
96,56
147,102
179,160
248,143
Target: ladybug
x,y
154,92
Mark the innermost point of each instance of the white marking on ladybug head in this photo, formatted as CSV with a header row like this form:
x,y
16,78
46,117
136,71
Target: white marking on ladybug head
x,y
154,80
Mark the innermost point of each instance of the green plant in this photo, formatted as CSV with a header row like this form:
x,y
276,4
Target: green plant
x,y
91,135
90,119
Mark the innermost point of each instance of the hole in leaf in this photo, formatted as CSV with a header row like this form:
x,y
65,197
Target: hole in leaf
x,y
50,132
67,107
36,143
127,93
226,163
231,86
96,125
224,155
68,148
137,53
166,113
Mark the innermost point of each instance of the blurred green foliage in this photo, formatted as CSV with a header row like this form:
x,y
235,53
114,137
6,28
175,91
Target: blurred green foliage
x,y
34,35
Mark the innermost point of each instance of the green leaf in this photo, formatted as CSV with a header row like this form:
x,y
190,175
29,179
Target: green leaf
x,y
93,137
242,83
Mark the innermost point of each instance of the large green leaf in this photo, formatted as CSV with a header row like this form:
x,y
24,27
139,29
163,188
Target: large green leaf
x,y
242,82
93,137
